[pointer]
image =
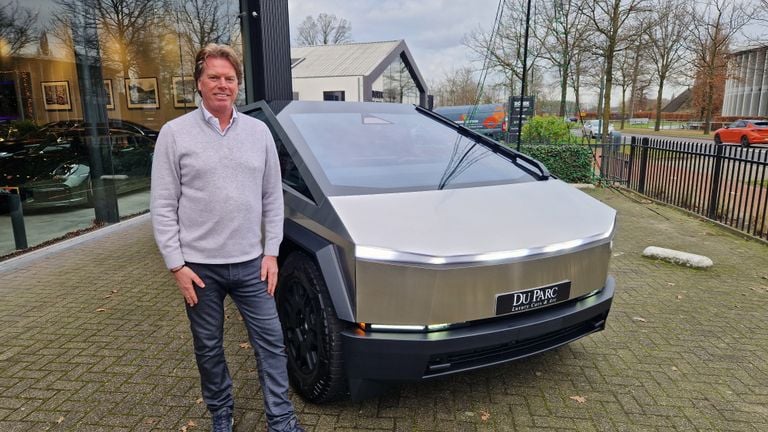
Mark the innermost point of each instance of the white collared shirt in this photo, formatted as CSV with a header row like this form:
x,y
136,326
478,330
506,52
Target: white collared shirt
x,y
214,122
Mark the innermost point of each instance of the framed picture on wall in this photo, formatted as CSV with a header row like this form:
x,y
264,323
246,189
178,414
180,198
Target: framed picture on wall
x,y
184,92
56,96
110,94
142,93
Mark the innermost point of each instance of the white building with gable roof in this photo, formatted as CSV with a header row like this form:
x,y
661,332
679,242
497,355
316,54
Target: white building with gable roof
x,y
374,71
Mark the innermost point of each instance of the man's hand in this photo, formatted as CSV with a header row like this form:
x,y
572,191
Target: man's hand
x,y
269,273
186,279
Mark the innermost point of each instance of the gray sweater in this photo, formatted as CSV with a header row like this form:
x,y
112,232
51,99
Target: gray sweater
x,y
211,193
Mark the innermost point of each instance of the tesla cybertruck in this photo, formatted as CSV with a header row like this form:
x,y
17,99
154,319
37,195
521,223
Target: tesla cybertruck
x,y
415,248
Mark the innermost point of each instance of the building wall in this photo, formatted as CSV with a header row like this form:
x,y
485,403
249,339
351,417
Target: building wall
x,y
746,90
312,89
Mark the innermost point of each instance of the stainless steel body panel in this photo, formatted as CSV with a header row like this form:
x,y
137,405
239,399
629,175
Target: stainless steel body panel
x,y
474,221
404,295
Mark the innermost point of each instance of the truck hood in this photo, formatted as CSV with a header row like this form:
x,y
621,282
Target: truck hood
x,y
471,225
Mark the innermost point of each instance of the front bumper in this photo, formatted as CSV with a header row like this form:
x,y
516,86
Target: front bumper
x,y
386,356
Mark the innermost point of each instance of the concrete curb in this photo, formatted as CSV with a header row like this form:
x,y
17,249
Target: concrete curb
x,y
35,255
678,257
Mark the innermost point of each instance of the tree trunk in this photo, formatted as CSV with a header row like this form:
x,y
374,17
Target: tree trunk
x,y
633,91
563,90
623,105
657,126
607,95
708,110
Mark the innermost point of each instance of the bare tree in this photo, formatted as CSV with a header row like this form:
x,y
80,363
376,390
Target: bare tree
x,y
504,52
325,30
18,27
608,18
308,32
458,87
127,28
667,40
200,22
580,63
714,27
562,35
630,68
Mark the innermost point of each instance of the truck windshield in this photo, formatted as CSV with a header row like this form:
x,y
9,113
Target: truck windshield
x,y
375,152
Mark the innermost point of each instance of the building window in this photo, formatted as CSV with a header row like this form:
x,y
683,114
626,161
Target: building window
x,y
396,85
337,95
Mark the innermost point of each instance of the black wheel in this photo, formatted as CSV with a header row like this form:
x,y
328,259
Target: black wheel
x,y
90,201
311,331
718,141
744,141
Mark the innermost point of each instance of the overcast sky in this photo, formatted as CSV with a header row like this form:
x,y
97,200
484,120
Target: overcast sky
x,y
432,29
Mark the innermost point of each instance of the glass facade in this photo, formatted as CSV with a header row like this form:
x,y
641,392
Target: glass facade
x,y
395,85
84,87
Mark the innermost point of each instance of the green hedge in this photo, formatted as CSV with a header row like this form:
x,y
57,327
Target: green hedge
x,y
571,163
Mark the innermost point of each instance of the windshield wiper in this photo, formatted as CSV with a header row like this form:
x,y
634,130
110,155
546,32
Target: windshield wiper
x,y
494,146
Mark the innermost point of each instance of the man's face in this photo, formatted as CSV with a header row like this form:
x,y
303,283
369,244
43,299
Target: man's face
x,y
218,86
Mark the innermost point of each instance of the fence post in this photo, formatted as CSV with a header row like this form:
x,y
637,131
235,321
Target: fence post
x,y
714,191
632,143
17,220
644,142
603,158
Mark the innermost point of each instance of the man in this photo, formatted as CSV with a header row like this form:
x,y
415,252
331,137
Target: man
x,y
215,182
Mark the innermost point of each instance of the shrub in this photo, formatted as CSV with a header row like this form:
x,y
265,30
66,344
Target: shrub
x,y
570,162
547,130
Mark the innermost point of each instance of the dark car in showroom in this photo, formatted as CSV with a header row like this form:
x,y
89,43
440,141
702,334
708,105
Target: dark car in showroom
x,y
55,170
21,144
415,248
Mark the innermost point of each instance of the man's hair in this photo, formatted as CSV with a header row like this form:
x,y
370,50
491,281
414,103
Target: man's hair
x,y
213,50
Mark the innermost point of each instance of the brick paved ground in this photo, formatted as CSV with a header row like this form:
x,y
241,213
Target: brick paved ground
x,y
94,339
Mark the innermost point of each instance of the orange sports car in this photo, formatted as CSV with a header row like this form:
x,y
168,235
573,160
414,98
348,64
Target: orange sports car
x,y
744,132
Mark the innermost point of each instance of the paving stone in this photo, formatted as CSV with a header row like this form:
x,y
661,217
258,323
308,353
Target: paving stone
x,y
695,362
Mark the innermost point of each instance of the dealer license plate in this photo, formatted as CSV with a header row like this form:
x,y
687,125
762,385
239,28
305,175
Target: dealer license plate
x,y
533,298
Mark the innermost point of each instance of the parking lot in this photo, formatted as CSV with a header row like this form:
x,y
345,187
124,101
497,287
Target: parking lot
x,y
95,339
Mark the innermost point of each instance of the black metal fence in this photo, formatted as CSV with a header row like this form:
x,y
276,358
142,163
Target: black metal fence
x,y
725,183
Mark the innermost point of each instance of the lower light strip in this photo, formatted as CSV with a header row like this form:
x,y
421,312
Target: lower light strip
x,y
382,254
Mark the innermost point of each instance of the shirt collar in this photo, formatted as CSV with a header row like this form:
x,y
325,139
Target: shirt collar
x,y
214,122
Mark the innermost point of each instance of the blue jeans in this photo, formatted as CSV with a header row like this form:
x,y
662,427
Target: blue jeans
x,y
241,281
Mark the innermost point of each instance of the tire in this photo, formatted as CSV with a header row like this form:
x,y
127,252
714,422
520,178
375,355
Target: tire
x,y
90,201
311,331
744,141
718,141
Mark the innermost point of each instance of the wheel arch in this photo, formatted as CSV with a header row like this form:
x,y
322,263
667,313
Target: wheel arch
x,y
327,258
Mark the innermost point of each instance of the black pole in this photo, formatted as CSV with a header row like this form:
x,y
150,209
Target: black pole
x,y
17,221
88,64
714,188
525,73
267,42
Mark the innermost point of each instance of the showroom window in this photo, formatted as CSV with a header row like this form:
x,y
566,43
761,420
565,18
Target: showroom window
x,y
85,86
